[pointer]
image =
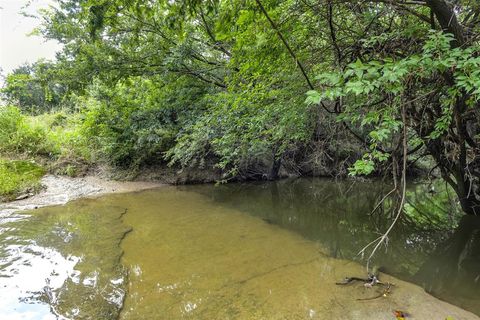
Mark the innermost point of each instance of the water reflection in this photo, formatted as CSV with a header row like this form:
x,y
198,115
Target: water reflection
x,y
28,274
62,262
195,256
338,215
452,271
223,252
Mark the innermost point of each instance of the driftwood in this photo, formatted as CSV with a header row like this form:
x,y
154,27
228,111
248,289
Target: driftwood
x,y
369,282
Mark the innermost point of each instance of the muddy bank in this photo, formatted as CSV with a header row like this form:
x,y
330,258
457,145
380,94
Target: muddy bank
x,y
59,190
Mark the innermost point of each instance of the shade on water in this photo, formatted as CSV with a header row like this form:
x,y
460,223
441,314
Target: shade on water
x,y
193,252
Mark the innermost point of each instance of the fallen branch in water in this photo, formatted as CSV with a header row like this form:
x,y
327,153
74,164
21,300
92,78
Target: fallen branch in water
x,y
349,280
385,292
371,281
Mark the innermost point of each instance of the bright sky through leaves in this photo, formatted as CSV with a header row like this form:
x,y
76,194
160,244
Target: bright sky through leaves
x,y
16,47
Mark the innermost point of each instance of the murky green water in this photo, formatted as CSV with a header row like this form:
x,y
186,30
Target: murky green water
x,y
238,251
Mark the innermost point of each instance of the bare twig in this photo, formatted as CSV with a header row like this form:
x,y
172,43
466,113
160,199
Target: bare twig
x,y
383,199
384,238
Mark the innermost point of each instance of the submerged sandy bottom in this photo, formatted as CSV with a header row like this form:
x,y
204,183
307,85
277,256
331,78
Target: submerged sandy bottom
x,y
191,258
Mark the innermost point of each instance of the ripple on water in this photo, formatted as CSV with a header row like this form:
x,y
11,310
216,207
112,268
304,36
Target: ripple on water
x,y
191,256
62,263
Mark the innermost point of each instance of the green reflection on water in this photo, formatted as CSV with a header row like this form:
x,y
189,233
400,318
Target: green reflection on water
x,y
338,215
228,252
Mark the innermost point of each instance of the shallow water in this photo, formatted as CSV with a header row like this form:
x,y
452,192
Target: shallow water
x,y
62,261
240,251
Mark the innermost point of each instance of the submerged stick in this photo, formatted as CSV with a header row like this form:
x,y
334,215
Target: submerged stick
x,y
385,292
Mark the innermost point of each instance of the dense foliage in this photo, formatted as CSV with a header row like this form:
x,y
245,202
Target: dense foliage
x,y
222,84
32,89
18,177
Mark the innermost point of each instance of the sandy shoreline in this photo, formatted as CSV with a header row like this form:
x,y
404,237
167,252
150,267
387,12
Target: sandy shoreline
x,y
59,190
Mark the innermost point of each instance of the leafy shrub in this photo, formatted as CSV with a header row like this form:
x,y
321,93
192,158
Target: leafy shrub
x,y
244,131
33,88
136,121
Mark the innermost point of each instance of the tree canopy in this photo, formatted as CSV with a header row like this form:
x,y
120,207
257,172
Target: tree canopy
x,y
253,86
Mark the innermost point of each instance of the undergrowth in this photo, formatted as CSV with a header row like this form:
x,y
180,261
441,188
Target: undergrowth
x,y
53,139
19,176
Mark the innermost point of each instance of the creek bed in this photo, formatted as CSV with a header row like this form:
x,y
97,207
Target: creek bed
x,y
240,251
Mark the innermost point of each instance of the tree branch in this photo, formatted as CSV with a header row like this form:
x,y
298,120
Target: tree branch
x,y
274,26
447,18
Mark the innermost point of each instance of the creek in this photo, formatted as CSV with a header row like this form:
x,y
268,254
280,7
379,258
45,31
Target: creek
x,y
270,250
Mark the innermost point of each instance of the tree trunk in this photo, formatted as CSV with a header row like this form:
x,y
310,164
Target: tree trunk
x,y
455,169
454,265
447,18
277,163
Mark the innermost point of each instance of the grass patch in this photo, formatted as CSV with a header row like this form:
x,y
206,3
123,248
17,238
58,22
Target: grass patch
x,y
18,176
53,139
